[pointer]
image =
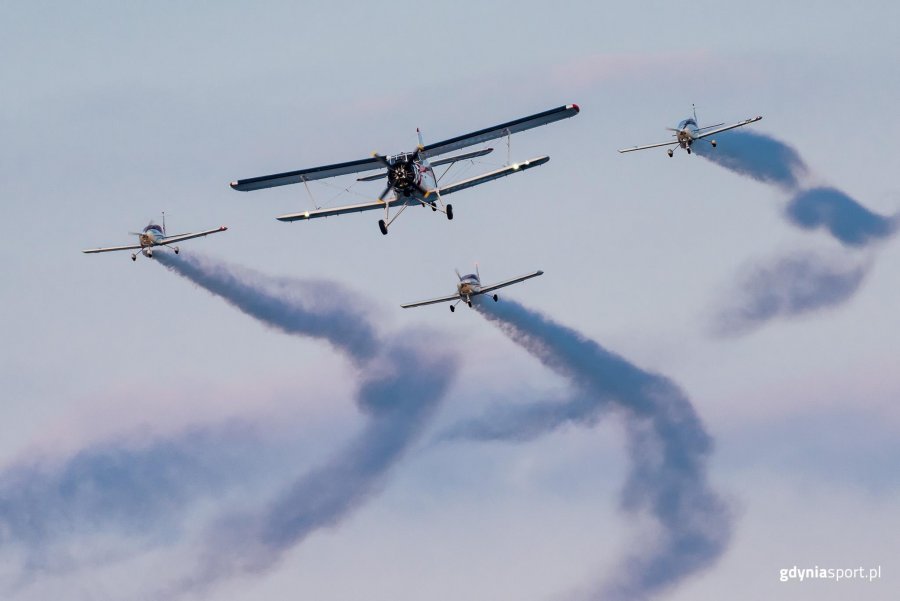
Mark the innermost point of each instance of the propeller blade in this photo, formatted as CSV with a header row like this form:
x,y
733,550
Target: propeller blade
x,y
457,274
384,192
381,158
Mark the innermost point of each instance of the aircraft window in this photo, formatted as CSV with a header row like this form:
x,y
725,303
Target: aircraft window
x,y
152,226
470,276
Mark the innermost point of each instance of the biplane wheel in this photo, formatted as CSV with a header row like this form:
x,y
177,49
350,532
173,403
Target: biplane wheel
x,y
496,298
452,308
433,208
133,257
382,226
449,211
670,152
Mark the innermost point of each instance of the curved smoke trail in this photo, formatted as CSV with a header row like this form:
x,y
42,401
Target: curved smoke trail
x,y
800,283
668,447
402,381
137,488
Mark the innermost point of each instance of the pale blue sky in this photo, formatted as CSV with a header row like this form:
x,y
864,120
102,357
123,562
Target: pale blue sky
x,y
113,113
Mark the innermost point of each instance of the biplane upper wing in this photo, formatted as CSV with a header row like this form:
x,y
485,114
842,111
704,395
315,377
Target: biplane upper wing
x,y
499,131
521,278
492,175
180,237
727,127
295,177
442,299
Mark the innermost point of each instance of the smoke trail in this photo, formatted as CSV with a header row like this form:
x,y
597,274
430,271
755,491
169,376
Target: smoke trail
x,y
758,156
790,286
132,487
668,447
145,491
794,285
847,220
402,381
315,308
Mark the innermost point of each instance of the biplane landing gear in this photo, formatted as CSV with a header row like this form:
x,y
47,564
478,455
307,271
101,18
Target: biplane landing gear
x,y
452,308
449,211
670,152
133,257
496,298
382,226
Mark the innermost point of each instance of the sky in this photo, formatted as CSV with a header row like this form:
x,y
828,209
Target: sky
x,y
258,418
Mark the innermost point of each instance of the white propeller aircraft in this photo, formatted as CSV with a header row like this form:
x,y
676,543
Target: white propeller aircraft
x,y
154,235
689,132
469,285
410,175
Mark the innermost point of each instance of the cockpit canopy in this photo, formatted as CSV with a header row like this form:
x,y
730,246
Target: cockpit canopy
x,y
689,123
153,227
470,277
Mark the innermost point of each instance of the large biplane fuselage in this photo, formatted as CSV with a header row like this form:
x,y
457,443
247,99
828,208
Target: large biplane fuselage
x,y
410,176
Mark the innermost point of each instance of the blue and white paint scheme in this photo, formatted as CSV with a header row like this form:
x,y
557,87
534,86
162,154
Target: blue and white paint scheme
x,y
469,286
410,175
154,235
689,131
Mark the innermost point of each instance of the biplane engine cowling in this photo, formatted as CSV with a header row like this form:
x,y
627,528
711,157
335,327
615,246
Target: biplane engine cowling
x,y
403,175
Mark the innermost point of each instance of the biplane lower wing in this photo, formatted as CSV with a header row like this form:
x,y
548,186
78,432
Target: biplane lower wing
x,y
357,208
492,175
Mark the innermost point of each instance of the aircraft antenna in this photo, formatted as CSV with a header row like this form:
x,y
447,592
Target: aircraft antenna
x,y
694,106
164,223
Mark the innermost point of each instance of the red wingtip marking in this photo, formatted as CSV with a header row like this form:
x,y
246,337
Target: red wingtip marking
x,y
575,106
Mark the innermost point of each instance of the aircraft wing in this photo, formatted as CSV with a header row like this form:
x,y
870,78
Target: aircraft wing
x,y
295,177
521,278
727,127
433,301
646,146
112,248
180,237
492,175
357,208
499,131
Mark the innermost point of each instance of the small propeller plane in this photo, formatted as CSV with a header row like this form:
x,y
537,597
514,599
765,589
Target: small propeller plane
x,y
152,236
410,175
688,132
469,285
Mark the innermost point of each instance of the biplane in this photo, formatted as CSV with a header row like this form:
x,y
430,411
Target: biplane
x,y
410,177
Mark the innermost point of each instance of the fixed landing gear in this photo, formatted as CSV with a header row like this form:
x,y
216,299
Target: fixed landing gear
x,y
496,298
713,142
452,308
149,254
382,226
469,303
449,211
670,152
176,250
133,257
689,150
